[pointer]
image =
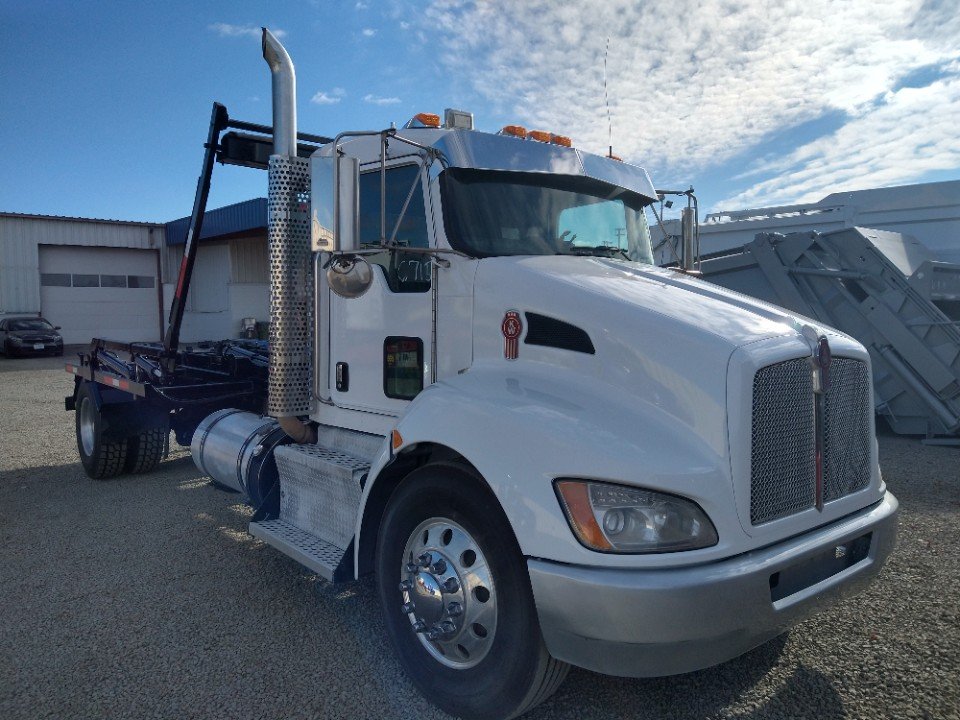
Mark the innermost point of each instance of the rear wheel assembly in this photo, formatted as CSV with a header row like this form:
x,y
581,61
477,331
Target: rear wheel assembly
x,y
145,450
101,457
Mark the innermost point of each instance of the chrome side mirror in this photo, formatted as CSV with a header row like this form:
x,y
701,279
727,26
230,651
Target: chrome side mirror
x,y
334,197
349,276
347,178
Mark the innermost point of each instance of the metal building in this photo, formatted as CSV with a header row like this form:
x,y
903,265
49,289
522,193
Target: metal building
x,y
87,276
930,212
231,277
115,279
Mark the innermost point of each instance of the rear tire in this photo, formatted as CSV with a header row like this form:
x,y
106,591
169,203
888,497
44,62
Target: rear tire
x,y
444,511
101,458
145,450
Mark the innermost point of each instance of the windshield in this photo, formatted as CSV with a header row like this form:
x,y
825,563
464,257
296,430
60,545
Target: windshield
x,y
493,212
29,325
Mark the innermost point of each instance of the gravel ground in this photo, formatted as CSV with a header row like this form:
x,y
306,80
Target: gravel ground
x,y
143,597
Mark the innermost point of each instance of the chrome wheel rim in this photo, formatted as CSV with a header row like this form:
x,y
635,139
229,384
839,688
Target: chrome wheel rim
x,y
448,594
87,425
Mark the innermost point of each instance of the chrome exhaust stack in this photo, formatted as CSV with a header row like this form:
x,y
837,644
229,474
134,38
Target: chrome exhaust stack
x,y
291,272
284,95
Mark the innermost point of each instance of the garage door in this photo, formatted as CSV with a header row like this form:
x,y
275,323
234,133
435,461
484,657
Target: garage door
x,y
100,292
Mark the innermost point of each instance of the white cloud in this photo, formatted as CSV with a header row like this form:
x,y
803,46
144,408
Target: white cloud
x,y
361,6
328,98
696,83
322,98
375,100
368,32
911,133
228,30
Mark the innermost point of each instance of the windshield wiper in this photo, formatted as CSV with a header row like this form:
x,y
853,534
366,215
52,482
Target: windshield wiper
x,y
599,251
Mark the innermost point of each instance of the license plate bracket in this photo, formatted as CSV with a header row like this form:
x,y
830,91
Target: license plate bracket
x,y
821,566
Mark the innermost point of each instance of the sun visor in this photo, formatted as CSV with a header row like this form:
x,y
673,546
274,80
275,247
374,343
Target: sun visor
x,y
483,151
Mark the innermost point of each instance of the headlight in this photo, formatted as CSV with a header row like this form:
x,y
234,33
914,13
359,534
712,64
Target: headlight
x,y
16,341
621,519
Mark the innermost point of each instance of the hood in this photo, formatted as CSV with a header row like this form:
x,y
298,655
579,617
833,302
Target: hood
x,y
601,287
661,339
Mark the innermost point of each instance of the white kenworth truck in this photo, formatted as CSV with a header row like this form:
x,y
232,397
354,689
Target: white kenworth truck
x,y
480,390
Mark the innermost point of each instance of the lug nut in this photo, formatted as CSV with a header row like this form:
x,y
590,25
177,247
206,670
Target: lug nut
x,y
411,567
424,560
434,633
406,586
451,585
419,626
455,609
447,627
408,607
439,567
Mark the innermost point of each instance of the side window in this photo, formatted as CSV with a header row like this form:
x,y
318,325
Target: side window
x,y
405,272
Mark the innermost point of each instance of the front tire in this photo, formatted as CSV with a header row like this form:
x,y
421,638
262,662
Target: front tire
x,y
101,457
456,598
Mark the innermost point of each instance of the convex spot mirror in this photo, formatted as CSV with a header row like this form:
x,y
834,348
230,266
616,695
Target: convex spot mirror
x,y
349,277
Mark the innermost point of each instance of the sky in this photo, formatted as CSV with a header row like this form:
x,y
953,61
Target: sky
x,y
104,106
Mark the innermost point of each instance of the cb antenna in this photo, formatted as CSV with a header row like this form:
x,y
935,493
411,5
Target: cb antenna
x,y
606,99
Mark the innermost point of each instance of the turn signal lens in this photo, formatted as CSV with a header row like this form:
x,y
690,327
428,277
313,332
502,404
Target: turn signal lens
x,y
397,440
574,496
540,135
429,120
561,140
623,519
615,157
514,130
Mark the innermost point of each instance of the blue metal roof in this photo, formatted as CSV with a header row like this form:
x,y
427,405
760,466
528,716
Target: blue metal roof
x,y
228,220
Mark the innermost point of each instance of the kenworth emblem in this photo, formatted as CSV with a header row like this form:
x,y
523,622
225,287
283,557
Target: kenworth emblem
x,y
821,361
512,327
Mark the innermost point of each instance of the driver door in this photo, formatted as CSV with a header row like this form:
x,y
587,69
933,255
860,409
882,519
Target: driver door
x,y
379,349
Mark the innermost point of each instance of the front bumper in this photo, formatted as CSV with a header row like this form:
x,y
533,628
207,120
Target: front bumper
x,y
647,623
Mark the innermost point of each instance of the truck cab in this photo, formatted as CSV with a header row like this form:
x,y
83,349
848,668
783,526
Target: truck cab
x,y
623,455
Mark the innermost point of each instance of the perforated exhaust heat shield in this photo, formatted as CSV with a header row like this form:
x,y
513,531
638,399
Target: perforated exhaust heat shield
x,y
291,286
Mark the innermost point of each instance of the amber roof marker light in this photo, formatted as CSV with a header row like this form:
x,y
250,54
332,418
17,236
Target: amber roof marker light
x,y
517,131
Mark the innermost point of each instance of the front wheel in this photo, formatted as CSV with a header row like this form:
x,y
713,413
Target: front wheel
x,y
456,598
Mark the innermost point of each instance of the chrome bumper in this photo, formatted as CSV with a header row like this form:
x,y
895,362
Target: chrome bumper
x,y
647,623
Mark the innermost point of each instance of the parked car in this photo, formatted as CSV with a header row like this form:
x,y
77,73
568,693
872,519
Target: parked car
x,y
29,335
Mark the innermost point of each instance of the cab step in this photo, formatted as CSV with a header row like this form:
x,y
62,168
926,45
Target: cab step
x,y
318,555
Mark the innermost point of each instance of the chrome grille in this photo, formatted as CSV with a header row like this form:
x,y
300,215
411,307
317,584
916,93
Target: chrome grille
x,y
783,453
783,473
846,430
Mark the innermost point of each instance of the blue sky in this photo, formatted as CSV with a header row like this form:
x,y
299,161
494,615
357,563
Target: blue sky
x,y
105,105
